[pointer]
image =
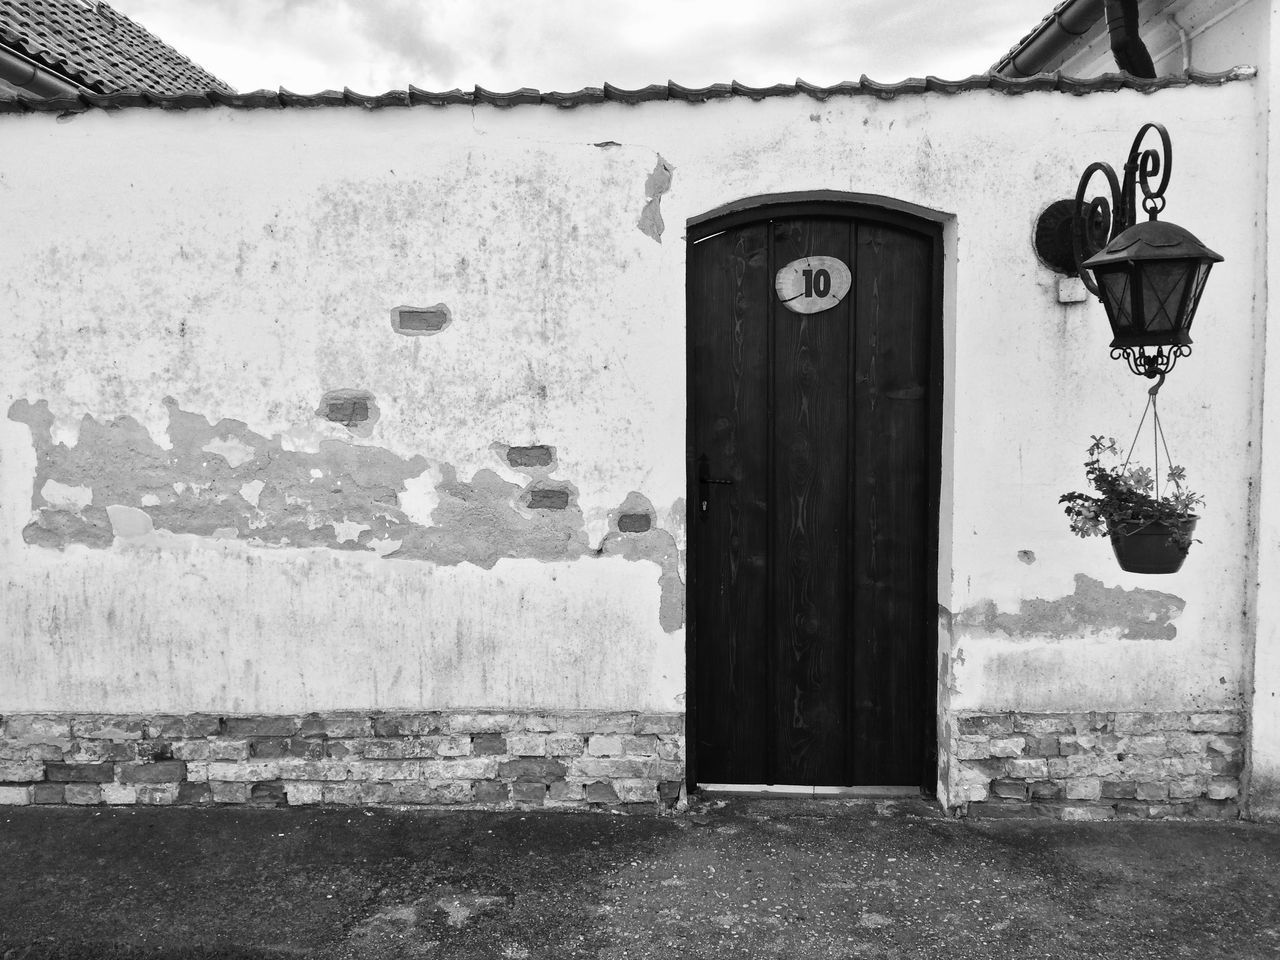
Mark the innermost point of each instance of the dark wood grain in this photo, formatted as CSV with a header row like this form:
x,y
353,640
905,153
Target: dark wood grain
x,y
730,342
891,449
809,546
812,573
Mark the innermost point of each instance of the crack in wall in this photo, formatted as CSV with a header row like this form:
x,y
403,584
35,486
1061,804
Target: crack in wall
x,y
223,480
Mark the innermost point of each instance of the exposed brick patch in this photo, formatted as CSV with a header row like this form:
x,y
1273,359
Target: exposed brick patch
x,y
48,793
194,793
533,793
488,745
166,771
634,522
21,771
492,791
530,768
536,456
185,727
437,758
109,728
601,793
80,772
286,747
1088,766
270,793
83,794
262,726
548,498
406,725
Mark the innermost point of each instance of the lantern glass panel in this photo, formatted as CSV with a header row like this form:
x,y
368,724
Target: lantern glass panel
x,y
1114,284
1164,282
1202,274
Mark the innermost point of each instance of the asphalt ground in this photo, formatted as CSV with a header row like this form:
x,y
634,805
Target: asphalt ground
x,y
740,879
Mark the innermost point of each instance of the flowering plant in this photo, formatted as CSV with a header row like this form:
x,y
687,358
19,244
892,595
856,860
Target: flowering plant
x,y
1127,496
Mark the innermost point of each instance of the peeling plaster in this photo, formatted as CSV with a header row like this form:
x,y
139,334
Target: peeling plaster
x,y
124,487
653,544
354,409
66,497
1137,614
230,449
655,185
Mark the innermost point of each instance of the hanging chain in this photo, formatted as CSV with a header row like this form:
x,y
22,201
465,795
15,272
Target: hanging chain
x,y
1157,436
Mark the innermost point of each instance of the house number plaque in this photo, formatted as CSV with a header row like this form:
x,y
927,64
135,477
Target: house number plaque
x,y
812,284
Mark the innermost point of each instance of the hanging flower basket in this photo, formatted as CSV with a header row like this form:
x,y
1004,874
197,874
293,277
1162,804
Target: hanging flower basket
x,y
1152,547
1150,531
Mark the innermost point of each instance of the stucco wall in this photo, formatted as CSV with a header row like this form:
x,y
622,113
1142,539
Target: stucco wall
x,y
1263,771
185,269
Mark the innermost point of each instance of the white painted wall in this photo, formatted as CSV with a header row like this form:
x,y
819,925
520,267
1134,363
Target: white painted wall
x,y
1263,771
245,262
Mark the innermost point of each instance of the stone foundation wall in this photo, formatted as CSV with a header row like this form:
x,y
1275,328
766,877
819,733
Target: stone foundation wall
x,y
1093,766
481,759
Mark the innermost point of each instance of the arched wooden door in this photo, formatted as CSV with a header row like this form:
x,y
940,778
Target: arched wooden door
x,y
813,495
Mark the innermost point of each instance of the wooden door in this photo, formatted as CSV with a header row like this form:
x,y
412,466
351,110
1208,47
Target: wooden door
x,y
813,478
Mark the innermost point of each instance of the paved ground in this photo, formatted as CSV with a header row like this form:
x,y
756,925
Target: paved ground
x,y
746,879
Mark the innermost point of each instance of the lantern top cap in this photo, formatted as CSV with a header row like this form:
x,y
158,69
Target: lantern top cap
x,y
1152,240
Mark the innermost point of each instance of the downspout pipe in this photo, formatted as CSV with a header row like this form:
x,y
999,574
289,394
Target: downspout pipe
x,y
1126,45
33,79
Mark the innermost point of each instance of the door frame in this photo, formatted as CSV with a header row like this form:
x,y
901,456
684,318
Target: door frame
x,y
861,206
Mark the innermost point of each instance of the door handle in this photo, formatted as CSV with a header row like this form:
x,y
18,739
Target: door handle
x,y
704,484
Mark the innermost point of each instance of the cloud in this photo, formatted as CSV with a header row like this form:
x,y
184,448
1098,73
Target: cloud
x,y
374,45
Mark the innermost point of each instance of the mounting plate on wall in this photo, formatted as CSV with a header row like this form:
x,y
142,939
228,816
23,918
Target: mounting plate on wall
x,y
1053,237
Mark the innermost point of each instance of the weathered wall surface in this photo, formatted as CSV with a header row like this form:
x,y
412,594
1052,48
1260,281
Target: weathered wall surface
x,y
1263,772
234,480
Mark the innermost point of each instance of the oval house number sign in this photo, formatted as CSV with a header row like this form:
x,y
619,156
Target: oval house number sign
x,y
812,284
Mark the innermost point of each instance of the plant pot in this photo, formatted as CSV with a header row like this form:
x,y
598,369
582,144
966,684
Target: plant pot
x,y
1150,547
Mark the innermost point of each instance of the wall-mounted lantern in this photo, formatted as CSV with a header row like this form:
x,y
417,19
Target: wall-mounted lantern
x,y
1150,275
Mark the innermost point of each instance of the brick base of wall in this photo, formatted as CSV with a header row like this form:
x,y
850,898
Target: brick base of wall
x,y
1094,766
453,758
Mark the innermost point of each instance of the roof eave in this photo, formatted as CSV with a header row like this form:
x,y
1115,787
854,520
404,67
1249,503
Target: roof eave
x,y
1058,31
21,71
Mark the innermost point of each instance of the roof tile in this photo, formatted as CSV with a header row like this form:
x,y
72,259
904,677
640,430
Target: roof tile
x,y
258,98
511,99
575,99
716,91
266,99
655,91
98,47
392,98
417,97
759,93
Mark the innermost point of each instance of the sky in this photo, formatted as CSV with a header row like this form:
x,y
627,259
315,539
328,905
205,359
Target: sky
x,y
377,45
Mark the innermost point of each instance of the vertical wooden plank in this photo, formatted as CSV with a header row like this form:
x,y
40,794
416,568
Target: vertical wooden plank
x,y
893,464
730,287
809,550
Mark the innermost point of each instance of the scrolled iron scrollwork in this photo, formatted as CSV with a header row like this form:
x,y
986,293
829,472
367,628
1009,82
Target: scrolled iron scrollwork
x,y
1094,223
1151,365
1147,164
1100,220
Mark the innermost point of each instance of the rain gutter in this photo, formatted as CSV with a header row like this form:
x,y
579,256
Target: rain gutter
x,y
1071,20
31,78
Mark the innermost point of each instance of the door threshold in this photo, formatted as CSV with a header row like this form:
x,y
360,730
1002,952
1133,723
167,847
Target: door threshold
x,y
799,790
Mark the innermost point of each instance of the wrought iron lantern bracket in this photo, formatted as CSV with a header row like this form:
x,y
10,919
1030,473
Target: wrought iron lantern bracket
x,y
1149,276
1104,218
